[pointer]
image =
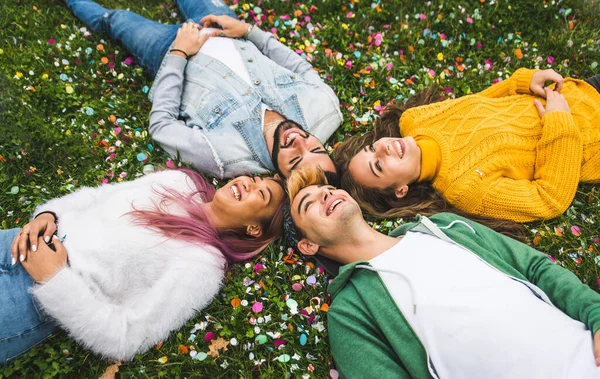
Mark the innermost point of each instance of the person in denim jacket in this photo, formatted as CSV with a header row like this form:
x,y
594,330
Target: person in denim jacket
x,y
230,101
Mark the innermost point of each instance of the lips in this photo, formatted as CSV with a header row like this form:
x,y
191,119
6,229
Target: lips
x,y
399,147
290,135
236,192
332,205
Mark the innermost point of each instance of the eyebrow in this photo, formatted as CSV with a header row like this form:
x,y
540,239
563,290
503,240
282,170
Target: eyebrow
x,y
296,164
270,196
302,201
373,171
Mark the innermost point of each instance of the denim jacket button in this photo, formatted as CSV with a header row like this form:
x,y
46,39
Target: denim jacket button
x,y
218,110
293,78
250,60
257,82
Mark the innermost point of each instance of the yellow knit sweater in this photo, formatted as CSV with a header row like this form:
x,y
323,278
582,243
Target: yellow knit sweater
x,y
493,155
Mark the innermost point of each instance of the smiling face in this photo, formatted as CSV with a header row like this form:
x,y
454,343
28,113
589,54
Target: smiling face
x,y
324,214
294,148
388,163
248,201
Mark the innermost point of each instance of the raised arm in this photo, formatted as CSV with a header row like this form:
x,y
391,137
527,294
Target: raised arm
x,y
165,127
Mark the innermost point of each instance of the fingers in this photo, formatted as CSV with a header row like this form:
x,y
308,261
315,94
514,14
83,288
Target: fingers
x,y
597,348
14,250
34,232
50,229
58,245
209,20
540,108
538,90
22,246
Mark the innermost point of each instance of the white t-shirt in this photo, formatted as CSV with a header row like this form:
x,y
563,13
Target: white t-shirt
x,y
475,321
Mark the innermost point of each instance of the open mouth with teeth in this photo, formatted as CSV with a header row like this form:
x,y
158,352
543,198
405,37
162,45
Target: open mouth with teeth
x,y
333,205
290,136
399,147
235,192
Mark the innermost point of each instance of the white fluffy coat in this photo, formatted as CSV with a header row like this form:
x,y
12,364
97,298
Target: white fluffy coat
x,y
126,287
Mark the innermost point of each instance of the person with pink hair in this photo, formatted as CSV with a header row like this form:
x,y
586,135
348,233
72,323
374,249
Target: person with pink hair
x,y
121,266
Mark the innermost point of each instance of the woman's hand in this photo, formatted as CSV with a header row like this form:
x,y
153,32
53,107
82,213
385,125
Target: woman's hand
x,y
540,78
554,102
187,39
27,240
45,263
232,27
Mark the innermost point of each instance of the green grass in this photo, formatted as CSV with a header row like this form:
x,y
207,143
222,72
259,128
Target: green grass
x,y
52,142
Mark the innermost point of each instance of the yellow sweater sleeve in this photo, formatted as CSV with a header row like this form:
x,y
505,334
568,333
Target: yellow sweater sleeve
x,y
557,169
518,83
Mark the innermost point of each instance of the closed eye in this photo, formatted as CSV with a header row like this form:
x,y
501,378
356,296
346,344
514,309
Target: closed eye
x,y
308,204
318,150
378,166
372,148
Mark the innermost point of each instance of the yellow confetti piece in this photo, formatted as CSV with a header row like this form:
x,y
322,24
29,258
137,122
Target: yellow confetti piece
x,y
163,359
120,76
69,89
440,56
19,74
44,76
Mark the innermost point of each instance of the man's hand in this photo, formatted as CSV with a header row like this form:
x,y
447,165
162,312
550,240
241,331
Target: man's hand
x,y
232,27
26,241
540,78
597,347
554,102
45,263
188,40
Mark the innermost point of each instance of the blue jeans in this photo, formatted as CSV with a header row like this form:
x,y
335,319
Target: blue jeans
x,y
22,323
147,40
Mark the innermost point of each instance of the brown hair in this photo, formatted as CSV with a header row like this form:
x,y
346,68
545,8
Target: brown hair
x,y
422,198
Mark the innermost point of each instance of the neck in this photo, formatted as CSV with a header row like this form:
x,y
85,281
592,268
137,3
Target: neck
x,y
220,223
272,119
363,245
431,158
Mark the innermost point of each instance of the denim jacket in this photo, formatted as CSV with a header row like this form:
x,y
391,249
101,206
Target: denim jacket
x,y
212,118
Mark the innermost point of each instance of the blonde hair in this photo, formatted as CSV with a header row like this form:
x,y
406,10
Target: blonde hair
x,y
304,177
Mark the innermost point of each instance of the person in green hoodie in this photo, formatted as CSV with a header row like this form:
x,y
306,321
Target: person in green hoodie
x,y
443,297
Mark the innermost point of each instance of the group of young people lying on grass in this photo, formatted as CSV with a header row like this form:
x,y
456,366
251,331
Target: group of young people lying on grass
x,y
121,266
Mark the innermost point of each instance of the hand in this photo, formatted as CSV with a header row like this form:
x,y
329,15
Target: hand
x,y
188,40
597,347
554,102
232,27
26,241
540,78
45,263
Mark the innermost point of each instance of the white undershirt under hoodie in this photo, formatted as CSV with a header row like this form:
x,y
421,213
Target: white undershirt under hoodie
x,y
126,286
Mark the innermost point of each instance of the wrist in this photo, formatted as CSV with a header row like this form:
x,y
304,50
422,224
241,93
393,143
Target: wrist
x,y
48,214
248,30
179,52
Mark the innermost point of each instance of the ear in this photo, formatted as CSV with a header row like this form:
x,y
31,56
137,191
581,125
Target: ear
x,y
276,176
254,231
401,191
307,247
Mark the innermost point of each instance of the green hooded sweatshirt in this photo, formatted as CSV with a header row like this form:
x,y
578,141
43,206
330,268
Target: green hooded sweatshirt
x,y
369,336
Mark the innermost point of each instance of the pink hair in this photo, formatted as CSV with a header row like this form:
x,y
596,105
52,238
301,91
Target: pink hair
x,y
197,227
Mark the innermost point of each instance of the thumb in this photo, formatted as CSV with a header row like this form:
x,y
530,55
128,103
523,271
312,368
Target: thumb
x,y
597,347
58,245
540,107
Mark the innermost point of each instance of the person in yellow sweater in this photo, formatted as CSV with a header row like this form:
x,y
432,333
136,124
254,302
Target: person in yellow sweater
x,y
515,151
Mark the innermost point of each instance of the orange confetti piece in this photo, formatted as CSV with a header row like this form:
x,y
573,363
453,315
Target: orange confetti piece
x,y
104,60
262,284
411,49
325,307
100,47
311,265
184,349
236,302
298,13
309,49
536,240
112,118
518,54
159,345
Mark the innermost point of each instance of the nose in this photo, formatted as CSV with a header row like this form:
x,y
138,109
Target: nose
x,y
325,193
299,143
382,150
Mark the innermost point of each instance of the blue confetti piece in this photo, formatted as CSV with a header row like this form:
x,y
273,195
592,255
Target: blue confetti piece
x,y
89,111
142,157
120,121
88,51
303,339
145,89
64,77
111,106
357,54
150,148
